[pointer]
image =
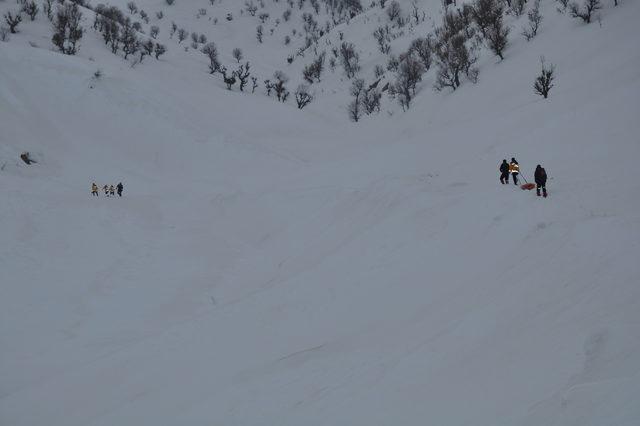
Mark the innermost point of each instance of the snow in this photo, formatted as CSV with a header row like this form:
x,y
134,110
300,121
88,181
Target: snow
x,y
274,266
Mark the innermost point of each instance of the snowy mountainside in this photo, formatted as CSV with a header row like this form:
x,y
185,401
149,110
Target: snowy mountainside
x,y
269,265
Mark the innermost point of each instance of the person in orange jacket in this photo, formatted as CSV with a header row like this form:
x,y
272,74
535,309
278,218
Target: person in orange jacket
x,y
514,169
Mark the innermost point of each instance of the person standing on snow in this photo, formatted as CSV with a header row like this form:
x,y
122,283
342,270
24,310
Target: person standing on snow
x,y
540,176
112,190
120,187
94,189
106,190
514,169
504,172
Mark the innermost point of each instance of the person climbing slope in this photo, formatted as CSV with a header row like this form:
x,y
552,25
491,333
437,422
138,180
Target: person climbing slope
x,y
94,189
120,187
504,172
106,190
112,191
540,176
514,169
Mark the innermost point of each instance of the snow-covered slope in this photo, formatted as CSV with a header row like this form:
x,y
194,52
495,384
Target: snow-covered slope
x,y
274,266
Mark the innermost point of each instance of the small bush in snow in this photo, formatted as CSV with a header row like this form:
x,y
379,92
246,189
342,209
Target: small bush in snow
x,y
229,81
4,33
251,7
133,8
544,81
378,71
153,31
303,97
67,31
259,33
159,50
182,35
237,54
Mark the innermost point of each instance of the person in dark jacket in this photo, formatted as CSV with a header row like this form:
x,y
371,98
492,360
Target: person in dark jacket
x,y
540,176
514,169
504,172
120,187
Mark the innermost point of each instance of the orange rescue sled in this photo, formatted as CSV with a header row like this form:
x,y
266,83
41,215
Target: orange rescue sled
x,y
528,186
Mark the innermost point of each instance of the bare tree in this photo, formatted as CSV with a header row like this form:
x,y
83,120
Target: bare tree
x,y
535,18
423,48
497,36
259,33
381,34
454,59
47,7
409,74
484,13
452,55
354,108
13,20
314,69
31,9
243,74
394,10
350,59
544,81
67,31
128,39
211,50
371,99
146,49
279,87
585,11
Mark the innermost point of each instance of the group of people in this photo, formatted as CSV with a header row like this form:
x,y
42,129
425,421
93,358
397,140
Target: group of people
x,y
109,190
513,169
